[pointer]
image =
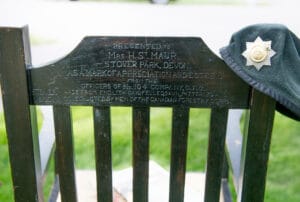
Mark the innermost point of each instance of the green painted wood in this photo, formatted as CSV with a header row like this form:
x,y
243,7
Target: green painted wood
x,y
102,130
23,146
141,119
139,71
180,122
215,154
65,153
256,145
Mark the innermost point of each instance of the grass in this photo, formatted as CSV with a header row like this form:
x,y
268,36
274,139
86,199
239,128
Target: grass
x,y
5,179
160,138
284,163
283,181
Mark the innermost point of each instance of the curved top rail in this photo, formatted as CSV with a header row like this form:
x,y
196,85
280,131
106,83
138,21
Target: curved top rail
x,y
156,71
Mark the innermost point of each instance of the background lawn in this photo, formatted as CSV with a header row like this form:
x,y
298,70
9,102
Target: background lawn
x,y
284,168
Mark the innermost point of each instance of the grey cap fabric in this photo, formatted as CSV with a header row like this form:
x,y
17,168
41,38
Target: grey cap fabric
x,y
267,57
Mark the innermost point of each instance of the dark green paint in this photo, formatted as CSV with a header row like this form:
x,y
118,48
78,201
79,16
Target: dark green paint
x,y
23,146
65,153
75,80
102,130
141,119
180,123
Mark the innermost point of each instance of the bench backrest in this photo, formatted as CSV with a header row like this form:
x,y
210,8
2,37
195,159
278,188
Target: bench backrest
x,y
140,72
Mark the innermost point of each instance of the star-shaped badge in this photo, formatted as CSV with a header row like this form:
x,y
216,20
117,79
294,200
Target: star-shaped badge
x,y
258,53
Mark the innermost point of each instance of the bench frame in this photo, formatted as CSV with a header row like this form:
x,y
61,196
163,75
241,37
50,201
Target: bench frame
x,y
247,160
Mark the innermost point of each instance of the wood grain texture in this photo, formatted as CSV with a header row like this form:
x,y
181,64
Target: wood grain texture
x,y
23,146
180,122
140,71
255,150
215,154
65,153
102,130
141,119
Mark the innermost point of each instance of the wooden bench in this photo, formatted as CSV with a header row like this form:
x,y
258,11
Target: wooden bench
x,y
140,72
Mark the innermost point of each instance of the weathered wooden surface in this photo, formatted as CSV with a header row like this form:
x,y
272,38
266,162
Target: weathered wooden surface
x,y
256,146
65,153
140,153
180,124
215,154
102,130
139,71
22,136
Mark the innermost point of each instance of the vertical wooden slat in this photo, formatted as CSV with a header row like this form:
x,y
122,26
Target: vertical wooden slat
x,y
215,155
23,146
102,129
140,153
256,145
65,153
180,122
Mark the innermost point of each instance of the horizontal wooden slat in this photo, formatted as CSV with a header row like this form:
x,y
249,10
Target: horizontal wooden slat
x,y
102,130
139,71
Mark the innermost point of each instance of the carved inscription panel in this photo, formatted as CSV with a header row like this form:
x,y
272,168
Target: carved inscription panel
x,y
134,71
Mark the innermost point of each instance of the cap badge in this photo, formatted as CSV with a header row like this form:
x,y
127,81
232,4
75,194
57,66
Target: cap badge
x,y
258,53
